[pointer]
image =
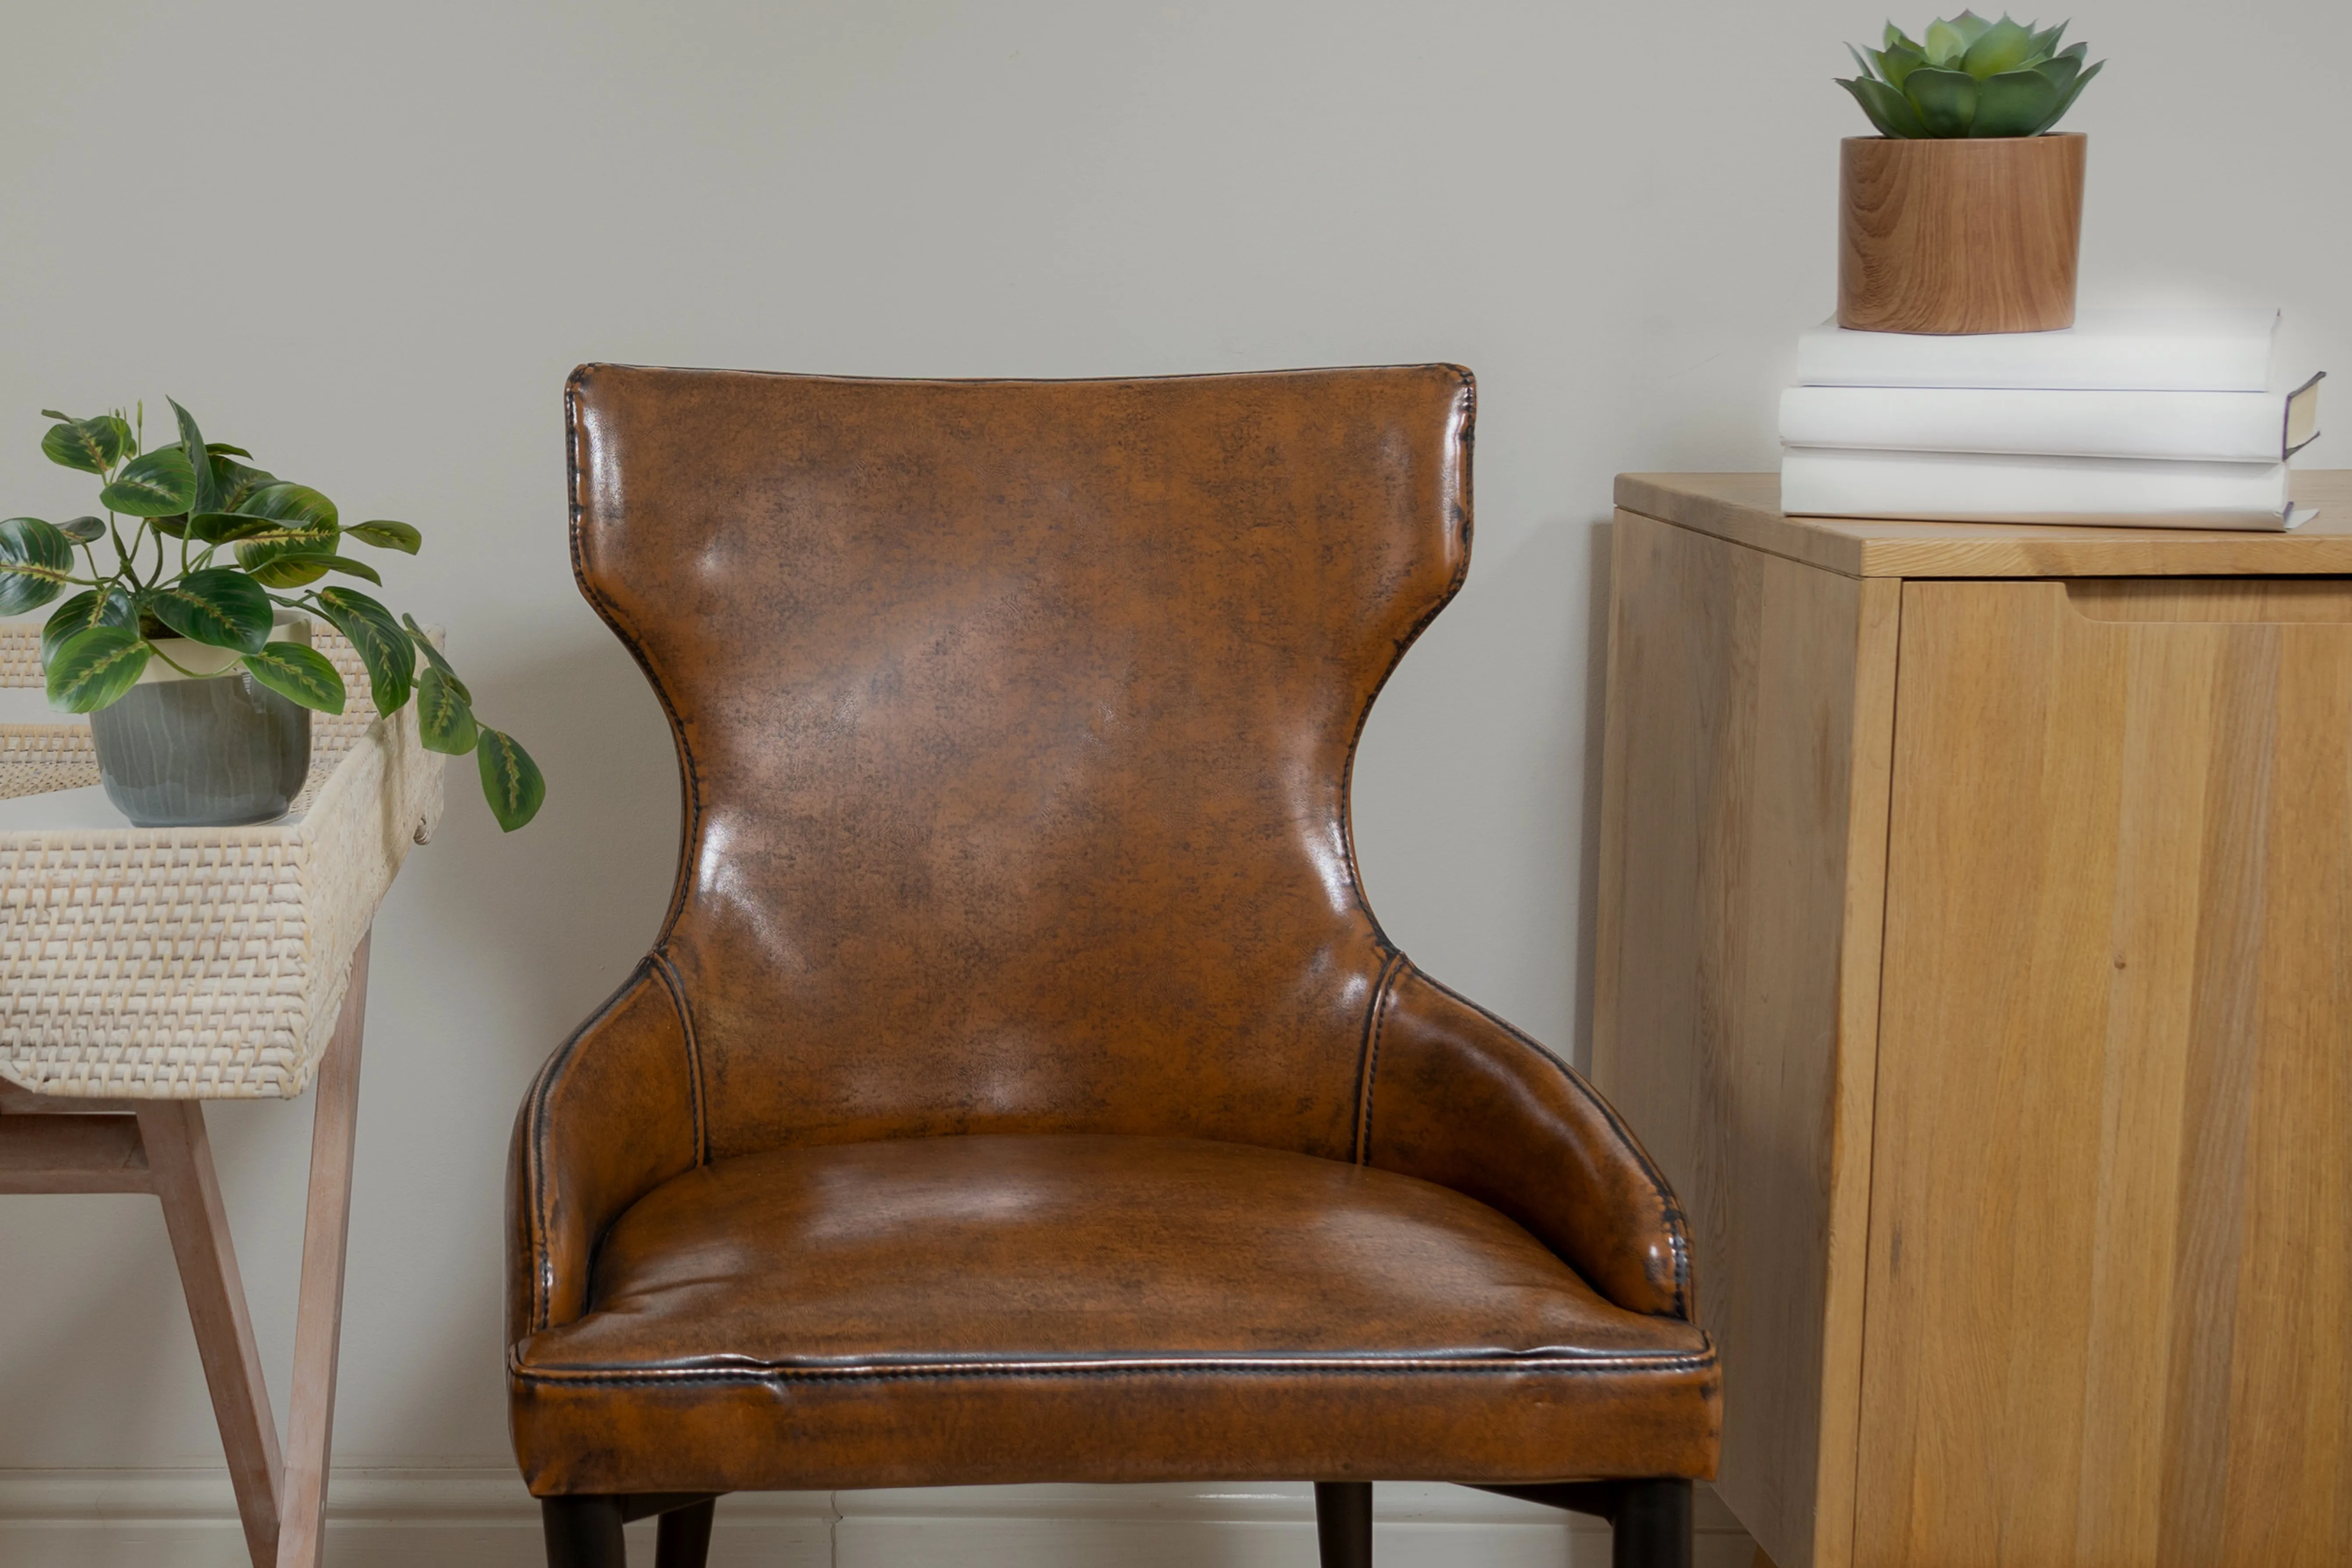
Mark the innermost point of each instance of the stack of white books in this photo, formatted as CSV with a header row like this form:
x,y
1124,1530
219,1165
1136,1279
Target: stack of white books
x,y
2143,418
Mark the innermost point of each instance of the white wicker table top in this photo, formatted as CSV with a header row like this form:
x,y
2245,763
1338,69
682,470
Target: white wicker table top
x,y
191,963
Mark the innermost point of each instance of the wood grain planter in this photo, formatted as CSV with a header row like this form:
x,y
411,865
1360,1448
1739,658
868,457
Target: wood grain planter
x,y
1959,235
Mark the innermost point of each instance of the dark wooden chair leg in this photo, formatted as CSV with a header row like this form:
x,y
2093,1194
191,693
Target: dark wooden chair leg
x,y
1343,1523
584,1532
1652,1525
685,1535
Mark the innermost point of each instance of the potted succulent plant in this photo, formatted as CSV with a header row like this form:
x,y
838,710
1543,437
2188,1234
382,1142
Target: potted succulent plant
x,y
1965,213
190,651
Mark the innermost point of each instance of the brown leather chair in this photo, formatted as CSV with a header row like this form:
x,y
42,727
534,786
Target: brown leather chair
x,y
1020,1088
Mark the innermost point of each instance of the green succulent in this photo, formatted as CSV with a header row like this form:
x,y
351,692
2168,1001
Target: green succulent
x,y
1971,78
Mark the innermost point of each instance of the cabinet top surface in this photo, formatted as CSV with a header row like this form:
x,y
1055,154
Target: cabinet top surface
x,y
1746,510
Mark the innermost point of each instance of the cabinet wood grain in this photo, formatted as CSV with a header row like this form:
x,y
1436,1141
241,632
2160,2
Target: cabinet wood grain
x,y
2108,1303
1974,955
1744,826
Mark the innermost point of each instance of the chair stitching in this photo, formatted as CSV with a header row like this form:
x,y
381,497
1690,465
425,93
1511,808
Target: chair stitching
x,y
660,960
544,1208
1375,1018
1549,1367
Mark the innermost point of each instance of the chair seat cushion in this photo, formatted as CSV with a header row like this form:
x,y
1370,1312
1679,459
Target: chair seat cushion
x,y
945,1311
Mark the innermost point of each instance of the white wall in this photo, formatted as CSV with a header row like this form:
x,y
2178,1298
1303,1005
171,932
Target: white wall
x,y
370,242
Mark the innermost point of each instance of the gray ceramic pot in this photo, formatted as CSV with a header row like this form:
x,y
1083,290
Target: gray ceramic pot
x,y
202,753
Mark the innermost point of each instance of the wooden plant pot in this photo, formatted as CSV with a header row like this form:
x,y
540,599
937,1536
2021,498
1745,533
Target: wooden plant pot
x,y
1958,236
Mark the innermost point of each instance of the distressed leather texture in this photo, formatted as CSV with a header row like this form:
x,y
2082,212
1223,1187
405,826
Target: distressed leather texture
x,y
1020,1088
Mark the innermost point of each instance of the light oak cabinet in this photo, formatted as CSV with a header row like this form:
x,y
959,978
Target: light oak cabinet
x,y
1974,955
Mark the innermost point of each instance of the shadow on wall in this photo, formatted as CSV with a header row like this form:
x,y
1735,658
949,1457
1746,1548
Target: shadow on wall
x,y
94,1292
569,903
1600,538
494,948
1464,792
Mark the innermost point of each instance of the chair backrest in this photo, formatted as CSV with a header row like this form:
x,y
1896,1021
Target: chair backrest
x,y
1016,721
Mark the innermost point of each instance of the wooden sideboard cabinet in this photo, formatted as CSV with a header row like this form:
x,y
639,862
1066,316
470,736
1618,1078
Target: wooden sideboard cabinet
x,y
1974,955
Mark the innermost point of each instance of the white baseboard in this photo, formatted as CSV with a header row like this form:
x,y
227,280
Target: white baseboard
x,y
481,1517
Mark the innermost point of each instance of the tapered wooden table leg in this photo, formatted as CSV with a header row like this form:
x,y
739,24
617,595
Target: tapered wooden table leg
x,y
317,1327
180,1166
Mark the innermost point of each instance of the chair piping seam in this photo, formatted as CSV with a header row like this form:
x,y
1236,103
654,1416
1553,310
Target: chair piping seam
x,y
662,966
1550,1366
1375,1019
542,1286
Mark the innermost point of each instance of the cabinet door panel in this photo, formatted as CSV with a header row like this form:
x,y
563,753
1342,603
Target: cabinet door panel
x,y
2110,1260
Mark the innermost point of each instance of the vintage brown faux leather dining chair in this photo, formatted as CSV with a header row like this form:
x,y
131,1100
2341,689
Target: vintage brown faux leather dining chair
x,y
1020,1088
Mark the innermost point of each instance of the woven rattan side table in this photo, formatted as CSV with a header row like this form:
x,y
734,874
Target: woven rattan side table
x,y
145,971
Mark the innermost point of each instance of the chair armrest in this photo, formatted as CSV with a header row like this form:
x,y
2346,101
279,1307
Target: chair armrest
x,y
1455,1096
615,1111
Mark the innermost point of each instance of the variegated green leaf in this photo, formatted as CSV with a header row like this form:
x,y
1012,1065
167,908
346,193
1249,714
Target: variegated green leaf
x,y
219,606
294,568
387,535
445,716
35,560
273,538
192,444
306,527
350,566
89,608
157,484
238,481
301,673
384,648
290,502
511,780
93,667
433,657
93,445
283,566
220,527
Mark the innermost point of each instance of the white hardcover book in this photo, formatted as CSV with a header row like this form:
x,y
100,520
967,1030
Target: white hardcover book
x,y
1969,486
2193,426
2123,351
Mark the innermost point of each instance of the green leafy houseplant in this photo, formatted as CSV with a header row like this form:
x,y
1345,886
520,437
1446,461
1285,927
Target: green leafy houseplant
x,y
1970,78
189,504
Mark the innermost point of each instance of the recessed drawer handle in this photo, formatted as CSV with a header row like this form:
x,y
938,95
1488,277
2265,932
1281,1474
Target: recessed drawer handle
x,y
2251,601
